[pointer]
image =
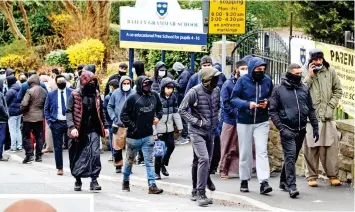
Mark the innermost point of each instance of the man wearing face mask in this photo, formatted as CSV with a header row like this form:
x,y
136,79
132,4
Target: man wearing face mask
x,y
160,72
55,114
140,112
290,106
3,86
325,88
229,137
204,103
22,78
114,108
206,62
251,96
122,71
86,122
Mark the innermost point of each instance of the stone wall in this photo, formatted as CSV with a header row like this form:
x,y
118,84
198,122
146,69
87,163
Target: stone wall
x,y
346,152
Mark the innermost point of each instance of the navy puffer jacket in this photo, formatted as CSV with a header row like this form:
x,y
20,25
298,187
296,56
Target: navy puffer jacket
x,y
11,96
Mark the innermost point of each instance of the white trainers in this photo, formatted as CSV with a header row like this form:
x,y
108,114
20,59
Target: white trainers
x,y
182,141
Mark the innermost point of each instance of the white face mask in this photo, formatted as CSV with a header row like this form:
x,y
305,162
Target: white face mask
x,y
161,73
133,70
126,87
2,76
243,72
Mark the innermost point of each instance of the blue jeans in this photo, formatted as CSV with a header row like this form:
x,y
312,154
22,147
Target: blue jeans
x,y
133,146
15,132
2,137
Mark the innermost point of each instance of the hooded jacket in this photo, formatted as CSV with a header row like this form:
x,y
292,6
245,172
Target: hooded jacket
x,y
24,87
204,105
182,82
246,90
222,77
11,96
195,79
229,111
75,105
4,116
156,79
32,105
291,105
170,105
117,100
139,67
140,110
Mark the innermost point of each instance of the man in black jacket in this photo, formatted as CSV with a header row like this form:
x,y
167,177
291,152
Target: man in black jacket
x,y
140,112
290,106
122,71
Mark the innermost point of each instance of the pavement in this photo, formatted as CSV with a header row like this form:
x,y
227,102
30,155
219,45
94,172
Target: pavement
x,y
322,198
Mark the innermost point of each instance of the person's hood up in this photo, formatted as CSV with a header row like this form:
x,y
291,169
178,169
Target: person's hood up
x,y
178,67
158,66
139,67
218,66
247,58
86,77
11,80
164,82
92,68
33,80
123,78
207,74
9,71
255,62
139,84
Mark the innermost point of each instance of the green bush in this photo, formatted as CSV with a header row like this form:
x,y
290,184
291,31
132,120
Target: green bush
x,y
60,58
17,47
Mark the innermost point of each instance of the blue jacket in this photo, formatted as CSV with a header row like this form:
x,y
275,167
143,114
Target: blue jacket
x,y
229,111
51,105
246,90
106,100
11,100
182,82
117,101
24,88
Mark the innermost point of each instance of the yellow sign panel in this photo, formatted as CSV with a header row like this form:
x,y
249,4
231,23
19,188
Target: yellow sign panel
x,y
227,17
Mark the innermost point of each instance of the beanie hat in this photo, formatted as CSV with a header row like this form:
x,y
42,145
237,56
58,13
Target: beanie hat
x,y
315,53
206,59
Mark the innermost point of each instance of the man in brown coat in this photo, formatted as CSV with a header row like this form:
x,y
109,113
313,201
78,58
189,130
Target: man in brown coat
x,y
325,88
32,107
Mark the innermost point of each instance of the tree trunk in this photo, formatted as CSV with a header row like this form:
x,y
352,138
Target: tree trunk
x,y
6,10
103,28
74,12
27,25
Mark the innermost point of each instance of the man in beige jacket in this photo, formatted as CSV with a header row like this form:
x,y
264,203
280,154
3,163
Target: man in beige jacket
x,y
325,89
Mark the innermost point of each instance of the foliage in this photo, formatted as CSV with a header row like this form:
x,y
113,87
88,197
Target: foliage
x,y
49,68
17,47
115,10
88,51
19,62
60,58
326,20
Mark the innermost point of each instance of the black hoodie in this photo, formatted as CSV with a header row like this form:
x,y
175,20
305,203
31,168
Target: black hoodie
x,y
139,111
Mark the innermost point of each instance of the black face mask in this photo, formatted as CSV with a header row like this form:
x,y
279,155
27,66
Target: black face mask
x,y
214,82
147,89
23,81
258,75
294,79
61,85
89,89
122,73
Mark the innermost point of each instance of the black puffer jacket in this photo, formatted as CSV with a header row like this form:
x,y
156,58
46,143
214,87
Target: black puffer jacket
x,y
156,78
291,105
139,111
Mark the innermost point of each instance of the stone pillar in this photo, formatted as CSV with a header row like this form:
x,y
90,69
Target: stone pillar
x,y
216,54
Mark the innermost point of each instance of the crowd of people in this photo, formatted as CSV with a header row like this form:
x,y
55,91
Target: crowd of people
x,y
226,120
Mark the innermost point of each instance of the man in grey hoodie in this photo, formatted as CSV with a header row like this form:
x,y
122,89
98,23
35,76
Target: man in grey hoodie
x,y
114,108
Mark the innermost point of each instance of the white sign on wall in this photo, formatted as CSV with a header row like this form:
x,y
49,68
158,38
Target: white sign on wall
x,y
300,50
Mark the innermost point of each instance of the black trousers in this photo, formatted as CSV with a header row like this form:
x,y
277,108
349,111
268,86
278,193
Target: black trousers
x,y
216,154
185,129
291,142
168,139
37,129
59,133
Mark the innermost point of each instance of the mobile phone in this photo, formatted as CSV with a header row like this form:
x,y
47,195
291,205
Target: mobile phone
x,y
261,101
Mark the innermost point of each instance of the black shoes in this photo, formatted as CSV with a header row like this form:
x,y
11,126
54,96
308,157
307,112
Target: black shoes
x,y
244,186
283,186
118,169
153,189
125,186
193,195
38,158
94,186
164,171
202,199
157,177
28,159
265,188
294,193
77,186
210,184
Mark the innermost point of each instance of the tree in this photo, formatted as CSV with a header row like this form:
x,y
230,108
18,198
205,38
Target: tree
x,y
6,8
326,20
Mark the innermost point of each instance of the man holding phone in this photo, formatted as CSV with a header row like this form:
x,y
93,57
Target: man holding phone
x,y
251,96
325,88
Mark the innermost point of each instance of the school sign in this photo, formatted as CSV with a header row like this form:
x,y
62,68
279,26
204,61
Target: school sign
x,y
162,25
